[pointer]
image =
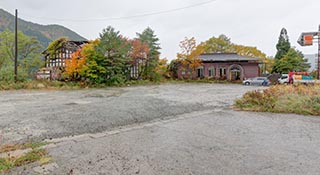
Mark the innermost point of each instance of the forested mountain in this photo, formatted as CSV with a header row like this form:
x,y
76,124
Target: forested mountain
x,y
44,33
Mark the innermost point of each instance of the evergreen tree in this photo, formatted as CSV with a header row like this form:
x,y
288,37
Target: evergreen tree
x,y
283,44
108,63
148,36
288,59
292,61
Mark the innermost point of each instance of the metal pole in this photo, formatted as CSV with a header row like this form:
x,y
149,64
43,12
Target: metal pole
x,y
16,49
318,72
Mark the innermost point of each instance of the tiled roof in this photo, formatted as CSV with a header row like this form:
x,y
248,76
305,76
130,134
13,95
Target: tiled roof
x,y
226,57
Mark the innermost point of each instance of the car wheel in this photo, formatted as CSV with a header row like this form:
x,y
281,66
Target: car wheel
x,y
247,83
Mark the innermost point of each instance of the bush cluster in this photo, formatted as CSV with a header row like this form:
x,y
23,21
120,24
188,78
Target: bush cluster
x,y
299,99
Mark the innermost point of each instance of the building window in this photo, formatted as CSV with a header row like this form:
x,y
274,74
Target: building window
x,y
200,72
222,72
134,72
211,72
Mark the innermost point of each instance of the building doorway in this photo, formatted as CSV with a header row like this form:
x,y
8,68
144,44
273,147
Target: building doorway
x,y
200,72
235,73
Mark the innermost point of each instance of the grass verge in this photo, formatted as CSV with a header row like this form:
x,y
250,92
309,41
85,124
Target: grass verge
x,y
13,147
36,154
39,85
10,162
299,99
60,85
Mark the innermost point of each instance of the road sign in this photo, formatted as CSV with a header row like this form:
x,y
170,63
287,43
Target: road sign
x,y
306,39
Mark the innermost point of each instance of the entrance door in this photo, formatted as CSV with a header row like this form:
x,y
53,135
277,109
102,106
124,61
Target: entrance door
x,y
200,72
235,73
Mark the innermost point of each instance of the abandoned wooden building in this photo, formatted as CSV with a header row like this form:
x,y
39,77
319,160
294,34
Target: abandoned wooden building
x,y
55,58
62,53
230,66
62,50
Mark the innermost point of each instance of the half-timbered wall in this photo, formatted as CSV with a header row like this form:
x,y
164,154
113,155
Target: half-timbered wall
x,y
59,59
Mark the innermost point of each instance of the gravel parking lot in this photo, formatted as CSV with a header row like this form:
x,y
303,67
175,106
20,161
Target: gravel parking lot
x,y
161,129
38,115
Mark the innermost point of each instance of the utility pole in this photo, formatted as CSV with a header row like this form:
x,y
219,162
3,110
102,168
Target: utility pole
x,y
16,49
318,70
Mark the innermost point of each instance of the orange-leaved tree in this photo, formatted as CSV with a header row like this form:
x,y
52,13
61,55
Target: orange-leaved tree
x,y
139,50
189,56
139,54
74,66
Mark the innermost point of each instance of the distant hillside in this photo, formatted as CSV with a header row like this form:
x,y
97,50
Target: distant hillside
x,y
44,33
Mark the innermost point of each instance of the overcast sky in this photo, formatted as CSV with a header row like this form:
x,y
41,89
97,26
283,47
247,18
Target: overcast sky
x,y
247,22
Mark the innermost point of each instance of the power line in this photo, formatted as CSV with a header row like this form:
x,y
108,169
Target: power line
x,y
126,17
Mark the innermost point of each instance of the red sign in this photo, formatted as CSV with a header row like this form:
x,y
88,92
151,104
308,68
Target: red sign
x,y
308,40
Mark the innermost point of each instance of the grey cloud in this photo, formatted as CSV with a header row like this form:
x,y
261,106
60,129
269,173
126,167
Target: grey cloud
x,y
248,22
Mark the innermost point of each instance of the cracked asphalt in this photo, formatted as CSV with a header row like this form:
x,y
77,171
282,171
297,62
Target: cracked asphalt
x,y
162,129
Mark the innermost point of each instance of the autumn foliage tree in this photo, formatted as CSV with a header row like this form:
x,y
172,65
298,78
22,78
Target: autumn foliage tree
x,y
139,55
248,51
113,59
74,66
189,56
220,44
139,49
162,67
223,44
255,53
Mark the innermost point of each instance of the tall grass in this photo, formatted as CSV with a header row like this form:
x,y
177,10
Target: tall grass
x,y
4,85
44,84
299,99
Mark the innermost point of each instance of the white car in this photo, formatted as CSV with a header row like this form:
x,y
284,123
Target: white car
x,y
284,79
